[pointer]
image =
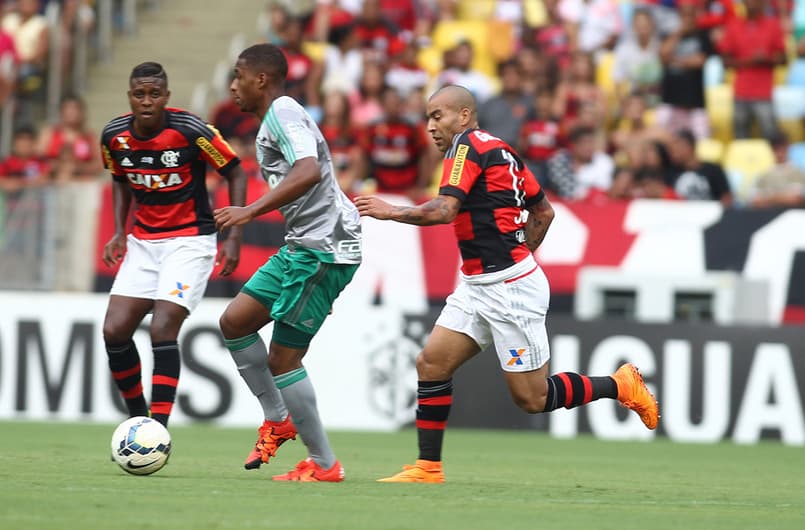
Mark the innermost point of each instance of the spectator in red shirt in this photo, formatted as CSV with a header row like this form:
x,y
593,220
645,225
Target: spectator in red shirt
x,y
70,145
8,66
298,83
753,46
539,137
23,167
376,33
554,38
396,150
342,139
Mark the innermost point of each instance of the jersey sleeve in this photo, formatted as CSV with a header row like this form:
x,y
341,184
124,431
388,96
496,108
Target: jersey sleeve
x,y
216,151
293,132
533,191
109,163
460,169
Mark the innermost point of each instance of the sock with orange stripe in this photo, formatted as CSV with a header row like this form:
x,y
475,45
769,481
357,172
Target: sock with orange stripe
x,y
433,406
166,376
569,390
124,362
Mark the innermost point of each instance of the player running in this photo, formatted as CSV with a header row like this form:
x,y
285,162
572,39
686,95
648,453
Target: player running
x,y
296,287
158,156
502,299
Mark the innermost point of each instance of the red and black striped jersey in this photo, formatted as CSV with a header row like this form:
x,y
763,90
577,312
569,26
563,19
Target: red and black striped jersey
x,y
166,172
494,187
394,150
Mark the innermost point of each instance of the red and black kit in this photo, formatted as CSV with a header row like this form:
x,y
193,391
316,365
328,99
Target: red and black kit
x,y
494,185
166,172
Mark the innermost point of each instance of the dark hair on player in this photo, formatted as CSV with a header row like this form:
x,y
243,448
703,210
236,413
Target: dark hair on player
x,y
149,69
266,58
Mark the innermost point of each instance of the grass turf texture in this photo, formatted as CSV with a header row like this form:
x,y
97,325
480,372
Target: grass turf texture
x,y
59,476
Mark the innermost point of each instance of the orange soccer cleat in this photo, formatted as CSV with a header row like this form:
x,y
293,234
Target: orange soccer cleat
x,y
271,435
309,471
633,394
423,471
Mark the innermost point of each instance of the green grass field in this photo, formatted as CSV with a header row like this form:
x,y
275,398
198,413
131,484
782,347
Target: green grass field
x,y
60,476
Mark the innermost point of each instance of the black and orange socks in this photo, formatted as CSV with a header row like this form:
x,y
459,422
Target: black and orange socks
x,y
434,399
569,390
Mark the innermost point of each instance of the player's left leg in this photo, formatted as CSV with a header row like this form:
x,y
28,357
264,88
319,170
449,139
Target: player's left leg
x,y
521,342
185,265
309,289
165,325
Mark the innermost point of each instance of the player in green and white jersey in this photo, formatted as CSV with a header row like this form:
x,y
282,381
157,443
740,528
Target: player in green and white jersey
x,y
297,286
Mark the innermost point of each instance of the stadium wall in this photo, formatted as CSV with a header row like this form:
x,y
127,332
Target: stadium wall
x,y
713,382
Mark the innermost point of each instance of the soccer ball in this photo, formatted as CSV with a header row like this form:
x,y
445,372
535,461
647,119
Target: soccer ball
x,y
141,446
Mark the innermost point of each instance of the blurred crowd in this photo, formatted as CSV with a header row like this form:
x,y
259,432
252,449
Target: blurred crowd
x,y
604,99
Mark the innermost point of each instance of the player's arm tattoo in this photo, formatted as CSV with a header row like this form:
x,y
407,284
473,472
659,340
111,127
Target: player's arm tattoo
x,y
439,210
540,216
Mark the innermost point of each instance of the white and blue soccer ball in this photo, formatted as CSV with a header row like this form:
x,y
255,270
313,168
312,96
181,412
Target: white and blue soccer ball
x,y
141,446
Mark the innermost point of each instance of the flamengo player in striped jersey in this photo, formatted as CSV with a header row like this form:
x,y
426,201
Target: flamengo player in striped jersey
x,y
158,156
500,216
297,286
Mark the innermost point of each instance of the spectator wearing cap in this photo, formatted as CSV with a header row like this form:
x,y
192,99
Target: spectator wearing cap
x,y
693,179
753,46
504,114
683,54
782,186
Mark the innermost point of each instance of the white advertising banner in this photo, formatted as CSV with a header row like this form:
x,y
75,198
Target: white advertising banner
x,y
53,364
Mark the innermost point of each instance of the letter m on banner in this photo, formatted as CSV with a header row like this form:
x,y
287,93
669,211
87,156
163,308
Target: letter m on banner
x,y
30,343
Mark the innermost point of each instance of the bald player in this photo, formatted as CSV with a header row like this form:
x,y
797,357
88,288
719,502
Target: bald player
x,y
500,216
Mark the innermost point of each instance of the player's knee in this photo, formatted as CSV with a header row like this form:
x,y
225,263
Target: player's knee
x,y
114,332
429,367
228,326
531,403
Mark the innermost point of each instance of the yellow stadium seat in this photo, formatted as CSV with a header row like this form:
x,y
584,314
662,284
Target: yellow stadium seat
x,y
718,100
534,13
749,158
793,129
448,33
476,9
710,150
430,59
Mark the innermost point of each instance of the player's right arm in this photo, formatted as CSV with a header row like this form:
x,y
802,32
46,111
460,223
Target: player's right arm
x,y
115,248
440,210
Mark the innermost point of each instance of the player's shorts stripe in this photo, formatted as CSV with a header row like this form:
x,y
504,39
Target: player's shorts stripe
x,y
510,280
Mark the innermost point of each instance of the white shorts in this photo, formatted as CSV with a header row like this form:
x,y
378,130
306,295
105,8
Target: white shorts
x,y
509,314
174,269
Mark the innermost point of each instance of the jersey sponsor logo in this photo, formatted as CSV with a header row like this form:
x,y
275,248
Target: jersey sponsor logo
x,y
521,218
123,142
210,149
516,357
155,182
170,159
126,162
147,160
349,247
458,164
107,157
